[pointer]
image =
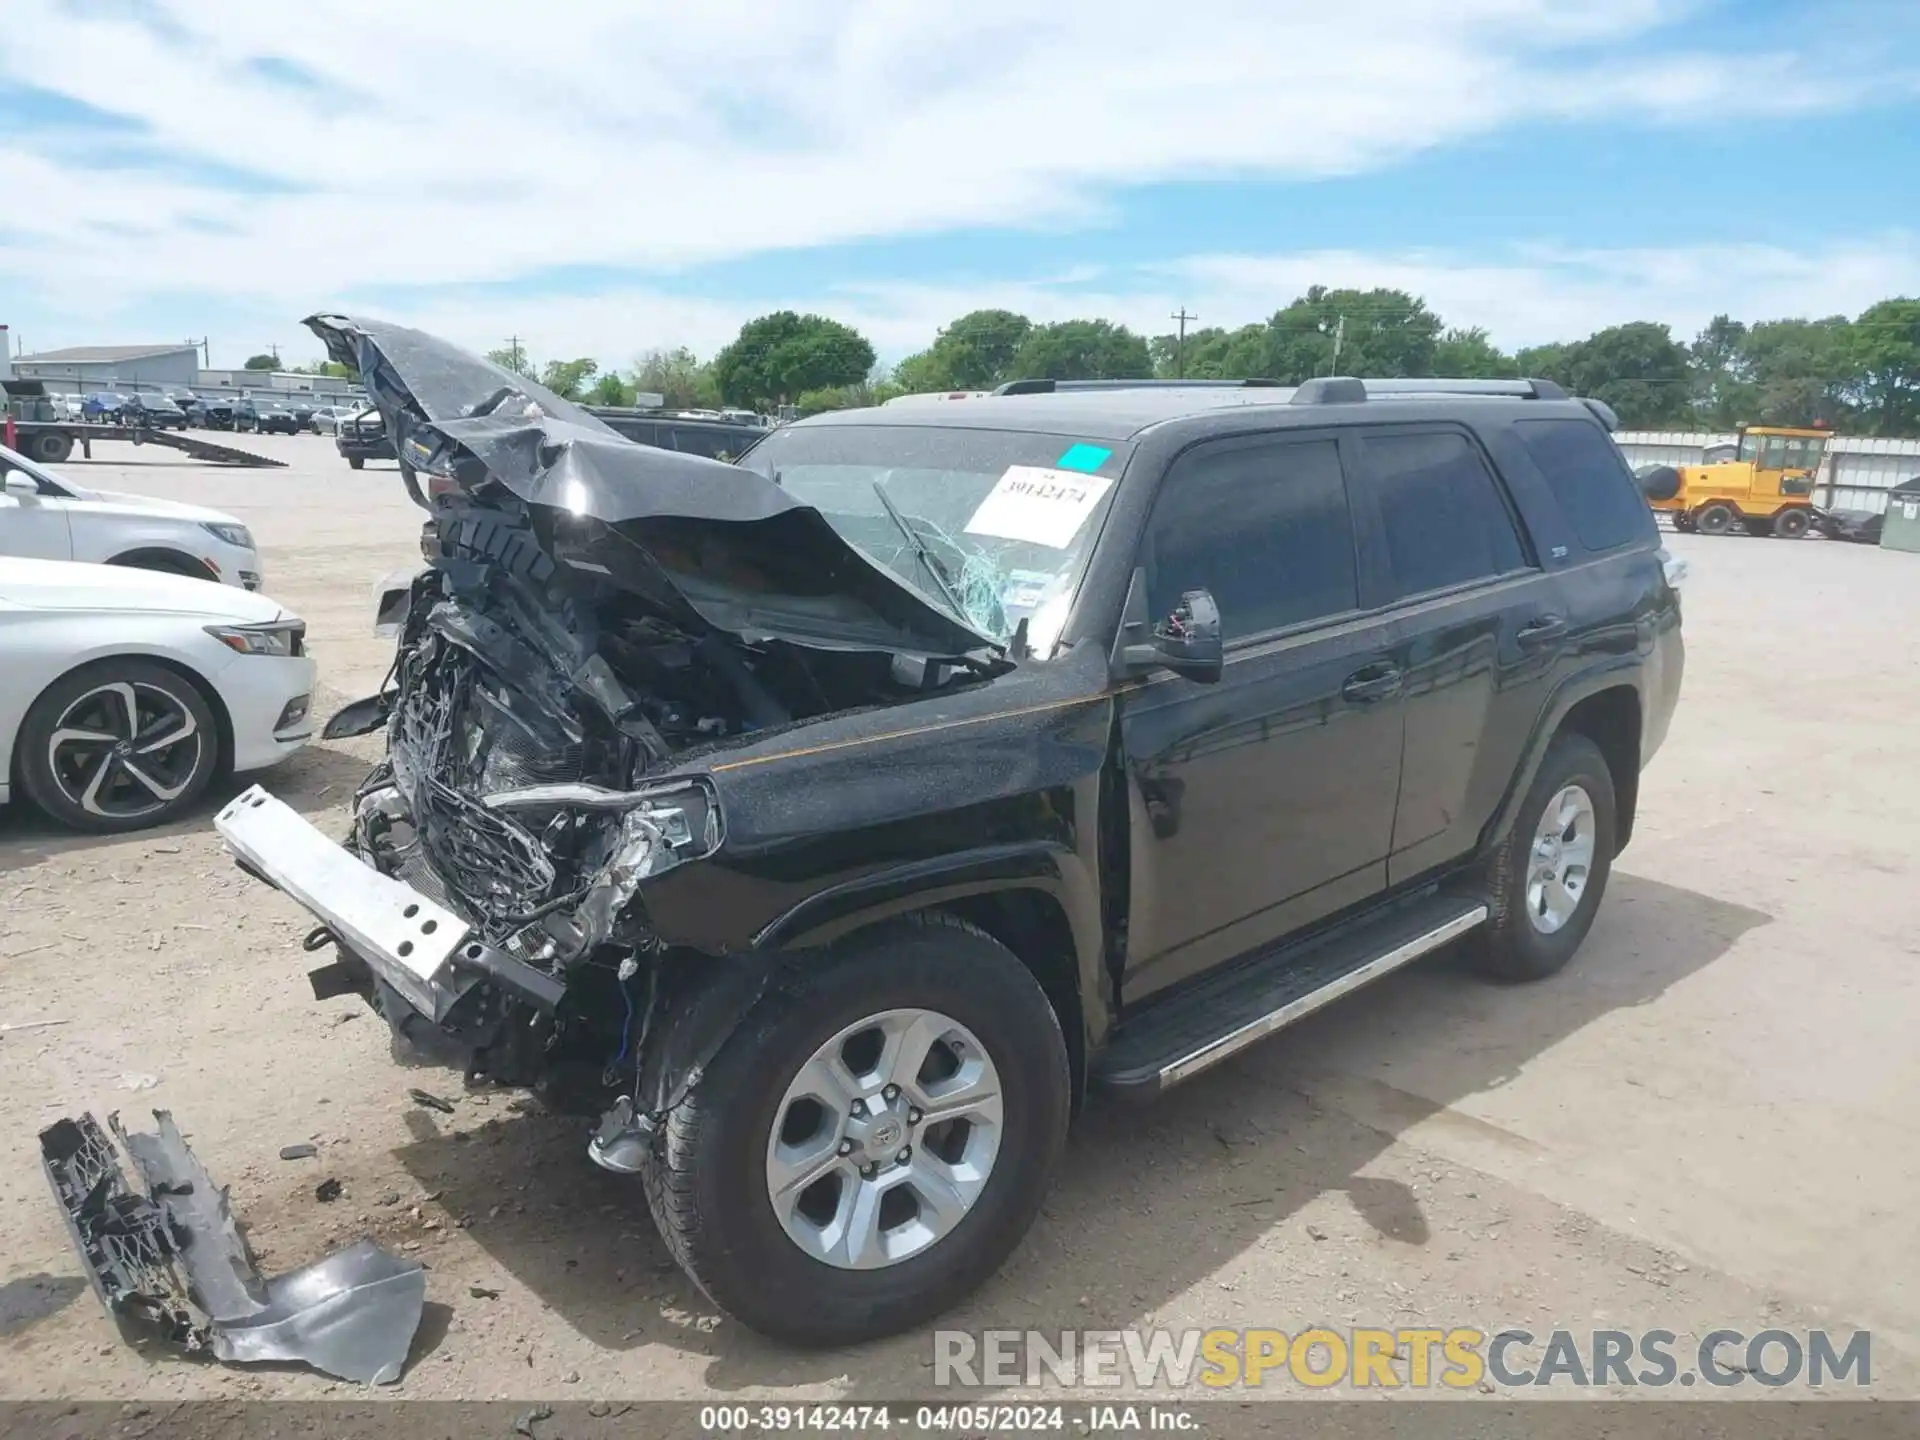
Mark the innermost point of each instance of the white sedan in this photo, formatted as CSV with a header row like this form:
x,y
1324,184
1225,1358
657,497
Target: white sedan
x,y
127,691
45,516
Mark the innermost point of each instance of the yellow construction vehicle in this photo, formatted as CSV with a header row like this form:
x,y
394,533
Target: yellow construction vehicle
x,y
1764,486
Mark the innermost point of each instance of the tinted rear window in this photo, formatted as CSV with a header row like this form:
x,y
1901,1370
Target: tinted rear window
x,y
1590,480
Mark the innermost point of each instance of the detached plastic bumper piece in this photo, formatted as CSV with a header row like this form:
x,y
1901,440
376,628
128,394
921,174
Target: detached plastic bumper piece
x,y
173,1262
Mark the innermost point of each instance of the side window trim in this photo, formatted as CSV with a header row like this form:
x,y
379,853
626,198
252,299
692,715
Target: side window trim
x,y
1239,644
1368,483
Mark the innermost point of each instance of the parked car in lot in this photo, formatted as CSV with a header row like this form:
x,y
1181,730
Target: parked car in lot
x,y
103,407
128,691
191,406
363,436
155,412
712,437
264,417
69,407
833,822
49,517
217,412
302,412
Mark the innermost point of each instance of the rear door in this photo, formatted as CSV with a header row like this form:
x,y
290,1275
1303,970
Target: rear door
x,y
1263,802
1475,632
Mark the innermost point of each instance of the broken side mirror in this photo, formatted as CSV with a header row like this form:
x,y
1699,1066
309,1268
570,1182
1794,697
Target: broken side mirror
x,y
1186,642
1658,482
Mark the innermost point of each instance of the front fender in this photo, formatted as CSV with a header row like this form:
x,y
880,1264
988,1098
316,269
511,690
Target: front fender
x,y
1050,868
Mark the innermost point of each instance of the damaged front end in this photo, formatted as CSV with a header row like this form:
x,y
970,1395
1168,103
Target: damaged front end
x,y
601,618
173,1263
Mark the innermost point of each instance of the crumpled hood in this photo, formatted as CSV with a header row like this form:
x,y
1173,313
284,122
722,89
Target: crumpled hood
x,y
734,547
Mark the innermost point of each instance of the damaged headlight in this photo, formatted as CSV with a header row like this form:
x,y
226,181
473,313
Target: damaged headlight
x,y
657,828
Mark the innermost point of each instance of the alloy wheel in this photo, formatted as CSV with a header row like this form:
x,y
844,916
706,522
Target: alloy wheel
x,y
885,1139
1561,861
125,749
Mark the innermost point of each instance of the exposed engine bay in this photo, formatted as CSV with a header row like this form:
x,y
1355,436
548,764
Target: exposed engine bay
x,y
597,618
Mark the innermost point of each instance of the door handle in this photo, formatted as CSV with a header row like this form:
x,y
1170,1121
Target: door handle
x,y
1543,631
1375,682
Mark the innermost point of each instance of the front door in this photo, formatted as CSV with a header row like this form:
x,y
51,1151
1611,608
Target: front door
x,y
32,525
1262,802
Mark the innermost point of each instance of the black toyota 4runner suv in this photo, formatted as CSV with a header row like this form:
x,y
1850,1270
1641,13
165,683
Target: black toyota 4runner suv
x,y
831,823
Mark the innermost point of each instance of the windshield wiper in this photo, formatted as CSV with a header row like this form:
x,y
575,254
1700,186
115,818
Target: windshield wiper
x,y
926,556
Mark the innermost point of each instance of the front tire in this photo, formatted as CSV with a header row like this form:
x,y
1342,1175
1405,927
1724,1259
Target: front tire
x,y
1551,871
355,462
1791,524
824,1186
121,744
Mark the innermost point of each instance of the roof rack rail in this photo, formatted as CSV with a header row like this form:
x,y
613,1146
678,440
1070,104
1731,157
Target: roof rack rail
x,y
1350,390
1054,387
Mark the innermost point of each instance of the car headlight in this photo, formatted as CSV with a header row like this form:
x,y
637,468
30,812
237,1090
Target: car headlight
x,y
232,534
283,637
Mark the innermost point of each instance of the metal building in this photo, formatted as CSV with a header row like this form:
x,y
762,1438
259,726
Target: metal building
x,y
110,367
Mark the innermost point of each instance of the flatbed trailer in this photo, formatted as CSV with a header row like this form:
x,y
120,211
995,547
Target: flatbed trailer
x,y
34,430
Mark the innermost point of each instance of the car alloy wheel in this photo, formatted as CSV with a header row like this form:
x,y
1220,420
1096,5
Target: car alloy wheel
x,y
125,750
1562,860
884,1139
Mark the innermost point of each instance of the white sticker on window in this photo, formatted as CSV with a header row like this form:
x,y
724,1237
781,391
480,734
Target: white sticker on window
x,y
1046,507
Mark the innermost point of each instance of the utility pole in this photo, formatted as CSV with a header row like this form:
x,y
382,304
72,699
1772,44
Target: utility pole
x,y
513,342
1339,334
1180,345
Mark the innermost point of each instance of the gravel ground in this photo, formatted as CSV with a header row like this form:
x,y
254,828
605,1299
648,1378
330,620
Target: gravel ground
x,y
1707,1121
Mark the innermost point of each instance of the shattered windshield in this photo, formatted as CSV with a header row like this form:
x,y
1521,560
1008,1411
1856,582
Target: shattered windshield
x,y
993,525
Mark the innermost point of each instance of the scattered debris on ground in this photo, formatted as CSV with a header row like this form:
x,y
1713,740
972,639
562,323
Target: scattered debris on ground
x,y
430,1101
163,1259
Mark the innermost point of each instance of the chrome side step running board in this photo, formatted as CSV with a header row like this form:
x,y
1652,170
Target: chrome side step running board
x,y
1179,1038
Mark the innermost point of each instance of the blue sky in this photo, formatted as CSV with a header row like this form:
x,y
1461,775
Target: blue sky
x,y
632,174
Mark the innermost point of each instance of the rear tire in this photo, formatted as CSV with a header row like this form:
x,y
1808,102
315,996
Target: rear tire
x,y
1715,519
709,1181
1791,524
1518,942
96,784
52,447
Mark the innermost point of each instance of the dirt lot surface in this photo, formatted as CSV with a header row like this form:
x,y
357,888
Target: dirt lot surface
x,y
1708,1121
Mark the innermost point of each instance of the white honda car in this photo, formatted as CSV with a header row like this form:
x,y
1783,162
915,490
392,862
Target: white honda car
x,y
45,516
127,691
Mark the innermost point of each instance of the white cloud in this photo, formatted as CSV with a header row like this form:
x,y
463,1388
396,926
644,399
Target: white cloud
x,y
472,140
1526,297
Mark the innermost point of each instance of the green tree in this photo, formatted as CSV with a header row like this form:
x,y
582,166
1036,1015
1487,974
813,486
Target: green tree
x,y
263,362
975,352
515,359
611,388
1082,350
1467,354
1799,371
1384,333
1722,384
566,377
1638,369
782,355
1883,347
1211,354
677,376
924,373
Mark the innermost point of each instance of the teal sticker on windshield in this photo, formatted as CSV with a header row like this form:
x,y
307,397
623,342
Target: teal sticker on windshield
x,y
1084,458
